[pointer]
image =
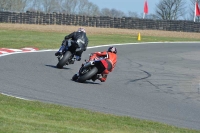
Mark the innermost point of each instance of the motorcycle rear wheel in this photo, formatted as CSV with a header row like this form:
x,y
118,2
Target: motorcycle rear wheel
x,y
64,59
88,75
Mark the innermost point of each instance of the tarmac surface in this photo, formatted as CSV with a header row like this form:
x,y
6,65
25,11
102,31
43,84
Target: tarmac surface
x,y
156,81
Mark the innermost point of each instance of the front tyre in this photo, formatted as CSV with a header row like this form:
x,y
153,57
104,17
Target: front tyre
x,y
88,75
64,59
75,77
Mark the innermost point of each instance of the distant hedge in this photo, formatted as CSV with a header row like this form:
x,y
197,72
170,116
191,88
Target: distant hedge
x,y
98,21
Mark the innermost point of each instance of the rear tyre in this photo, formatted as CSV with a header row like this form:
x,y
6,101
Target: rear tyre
x,y
88,75
64,59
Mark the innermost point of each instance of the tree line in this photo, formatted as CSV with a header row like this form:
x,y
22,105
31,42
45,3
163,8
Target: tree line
x,y
165,9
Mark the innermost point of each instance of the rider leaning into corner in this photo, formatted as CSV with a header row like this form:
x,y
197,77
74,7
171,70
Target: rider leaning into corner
x,y
78,38
110,57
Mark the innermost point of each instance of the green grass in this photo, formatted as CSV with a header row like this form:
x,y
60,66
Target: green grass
x,y
20,116
52,40
20,39
17,116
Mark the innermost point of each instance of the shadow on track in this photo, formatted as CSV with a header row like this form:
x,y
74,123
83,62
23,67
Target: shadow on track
x,y
56,67
86,82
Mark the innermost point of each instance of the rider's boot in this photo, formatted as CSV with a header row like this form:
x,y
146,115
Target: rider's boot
x,y
58,53
78,58
95,77
72,61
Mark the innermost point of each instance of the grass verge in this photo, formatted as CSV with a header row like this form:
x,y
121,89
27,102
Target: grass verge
x,y
17,116
52,40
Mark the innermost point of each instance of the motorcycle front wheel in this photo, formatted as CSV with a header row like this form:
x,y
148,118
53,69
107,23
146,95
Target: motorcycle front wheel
x,y
64,59
75,77
88,75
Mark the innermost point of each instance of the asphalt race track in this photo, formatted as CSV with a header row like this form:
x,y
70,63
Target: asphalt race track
x,y
157,82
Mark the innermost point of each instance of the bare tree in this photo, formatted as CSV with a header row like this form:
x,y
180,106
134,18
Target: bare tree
x,y
152,16
105,12
34,5
13,5
170,9
3,4
88,9
80,7
7,5
50,5
112,13
133,14
19,5
24,4
83,7
117,13
70,6
94,10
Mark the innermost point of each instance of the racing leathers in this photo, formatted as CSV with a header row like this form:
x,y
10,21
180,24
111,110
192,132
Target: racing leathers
x,y
110,60
79,39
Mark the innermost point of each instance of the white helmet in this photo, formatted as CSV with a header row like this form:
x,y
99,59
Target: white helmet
x,y
81,29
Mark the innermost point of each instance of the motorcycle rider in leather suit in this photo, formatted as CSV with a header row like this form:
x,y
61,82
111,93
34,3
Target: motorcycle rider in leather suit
x,y
78,38
110,57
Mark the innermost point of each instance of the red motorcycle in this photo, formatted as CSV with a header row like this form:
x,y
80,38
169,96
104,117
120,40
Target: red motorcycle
x,y
91,69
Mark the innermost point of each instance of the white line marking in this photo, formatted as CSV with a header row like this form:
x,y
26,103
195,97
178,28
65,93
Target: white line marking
x,y
16,97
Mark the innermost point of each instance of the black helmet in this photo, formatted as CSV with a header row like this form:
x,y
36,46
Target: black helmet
x,y
112,49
